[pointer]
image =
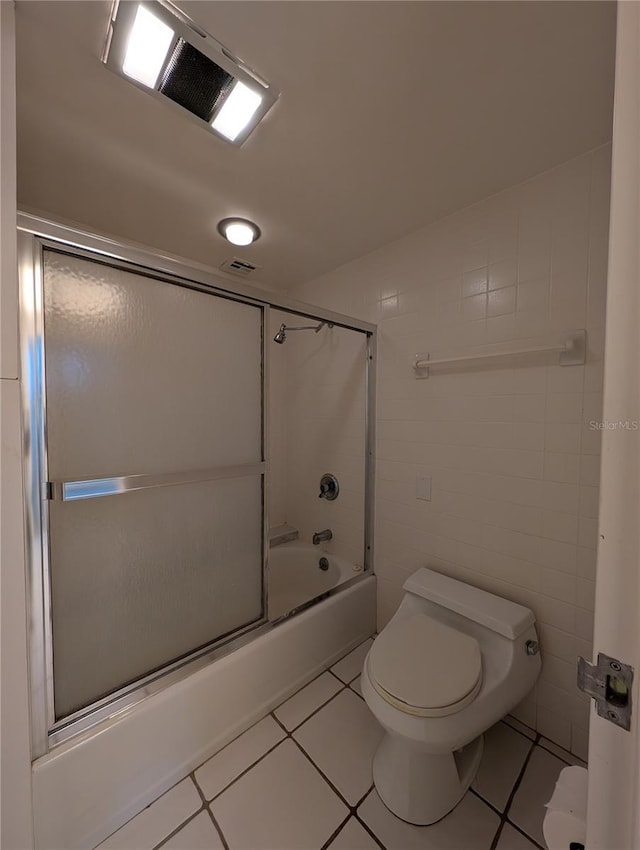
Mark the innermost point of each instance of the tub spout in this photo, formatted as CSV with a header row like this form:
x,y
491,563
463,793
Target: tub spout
x,y
321,536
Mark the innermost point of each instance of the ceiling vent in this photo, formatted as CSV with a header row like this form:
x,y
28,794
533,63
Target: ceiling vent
x,y
241,268
159,49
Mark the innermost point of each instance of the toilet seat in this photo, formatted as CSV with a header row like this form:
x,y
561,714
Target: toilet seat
x,y
424,667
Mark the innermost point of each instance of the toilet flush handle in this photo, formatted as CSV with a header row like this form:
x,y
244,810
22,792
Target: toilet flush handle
x,y
532,647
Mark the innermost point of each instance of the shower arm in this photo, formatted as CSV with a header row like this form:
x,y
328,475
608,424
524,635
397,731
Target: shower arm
x,y
282,333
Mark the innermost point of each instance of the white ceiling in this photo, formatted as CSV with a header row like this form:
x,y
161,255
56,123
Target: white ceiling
x,y
391,115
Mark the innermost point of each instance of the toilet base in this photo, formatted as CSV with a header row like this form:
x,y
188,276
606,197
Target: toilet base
x,y
421,788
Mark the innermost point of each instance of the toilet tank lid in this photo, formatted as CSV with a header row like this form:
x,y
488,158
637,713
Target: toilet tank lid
x,y
495,613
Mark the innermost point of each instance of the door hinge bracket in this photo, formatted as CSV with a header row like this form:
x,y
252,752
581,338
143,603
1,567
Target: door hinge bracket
x,y
609,683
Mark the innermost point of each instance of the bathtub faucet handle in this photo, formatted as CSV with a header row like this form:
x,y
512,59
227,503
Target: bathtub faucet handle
x,y
321,536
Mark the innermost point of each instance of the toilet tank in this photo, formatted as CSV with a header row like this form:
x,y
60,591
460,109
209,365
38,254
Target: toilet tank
x,y
493,612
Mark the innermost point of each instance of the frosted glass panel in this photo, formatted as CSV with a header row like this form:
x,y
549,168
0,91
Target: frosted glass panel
x,y
145,376
148,377
141,579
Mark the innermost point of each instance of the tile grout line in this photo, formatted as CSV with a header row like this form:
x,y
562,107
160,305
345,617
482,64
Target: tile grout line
x,y
366,825
482,800
356,692
515,724
245,771
516,786
178,828
352,808
520,776
272,714
531,741
336,832
287,733
315,710
496,837
525,835
330,671
217,828
228,744
148,806
353,813
323,775
496,810
192,776
315,678
503,815
562,758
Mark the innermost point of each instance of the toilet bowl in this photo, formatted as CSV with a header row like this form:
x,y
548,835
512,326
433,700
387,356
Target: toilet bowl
x,y
451,662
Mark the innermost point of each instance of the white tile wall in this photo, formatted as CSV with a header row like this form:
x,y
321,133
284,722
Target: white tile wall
x,y
317,425
513,460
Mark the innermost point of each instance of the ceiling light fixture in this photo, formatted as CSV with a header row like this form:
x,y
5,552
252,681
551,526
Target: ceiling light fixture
x,y
158,48
147,48
237,111
239,231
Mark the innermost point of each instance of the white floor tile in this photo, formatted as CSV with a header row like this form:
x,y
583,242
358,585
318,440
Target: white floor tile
x,y
230,762
156,821
565,755
341,739
356,685
301,705
511,839
470,826
505,751
353,836
535,790
198,834
351,665
282,803
520,727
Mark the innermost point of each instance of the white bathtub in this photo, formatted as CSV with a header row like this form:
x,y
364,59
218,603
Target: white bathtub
x,y
88,787
296,577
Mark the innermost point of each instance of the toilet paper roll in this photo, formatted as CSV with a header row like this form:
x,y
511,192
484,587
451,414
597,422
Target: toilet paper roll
x,y
562,829
566,819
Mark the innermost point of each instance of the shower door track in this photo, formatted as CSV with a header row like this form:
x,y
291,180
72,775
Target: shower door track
x,y
34,236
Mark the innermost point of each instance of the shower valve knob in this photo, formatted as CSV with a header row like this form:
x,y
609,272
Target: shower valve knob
x,y
329,487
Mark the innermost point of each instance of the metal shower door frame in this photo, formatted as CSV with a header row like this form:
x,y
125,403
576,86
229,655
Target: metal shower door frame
x,y
36,235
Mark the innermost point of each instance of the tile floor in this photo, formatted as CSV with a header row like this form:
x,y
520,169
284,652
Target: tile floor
x,y
301,778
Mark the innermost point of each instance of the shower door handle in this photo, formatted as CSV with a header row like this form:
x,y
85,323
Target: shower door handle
x,y
71,491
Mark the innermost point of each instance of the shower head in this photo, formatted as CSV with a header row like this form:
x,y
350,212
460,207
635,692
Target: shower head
x,y
282,333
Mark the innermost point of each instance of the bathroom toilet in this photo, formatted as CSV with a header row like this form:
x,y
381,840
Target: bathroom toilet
x,y
451,662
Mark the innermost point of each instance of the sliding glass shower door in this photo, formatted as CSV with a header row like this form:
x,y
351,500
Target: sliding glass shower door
x,y
154,448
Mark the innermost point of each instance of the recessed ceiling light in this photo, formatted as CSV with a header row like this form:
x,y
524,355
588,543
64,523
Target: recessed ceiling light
x,y
155,46
239,231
